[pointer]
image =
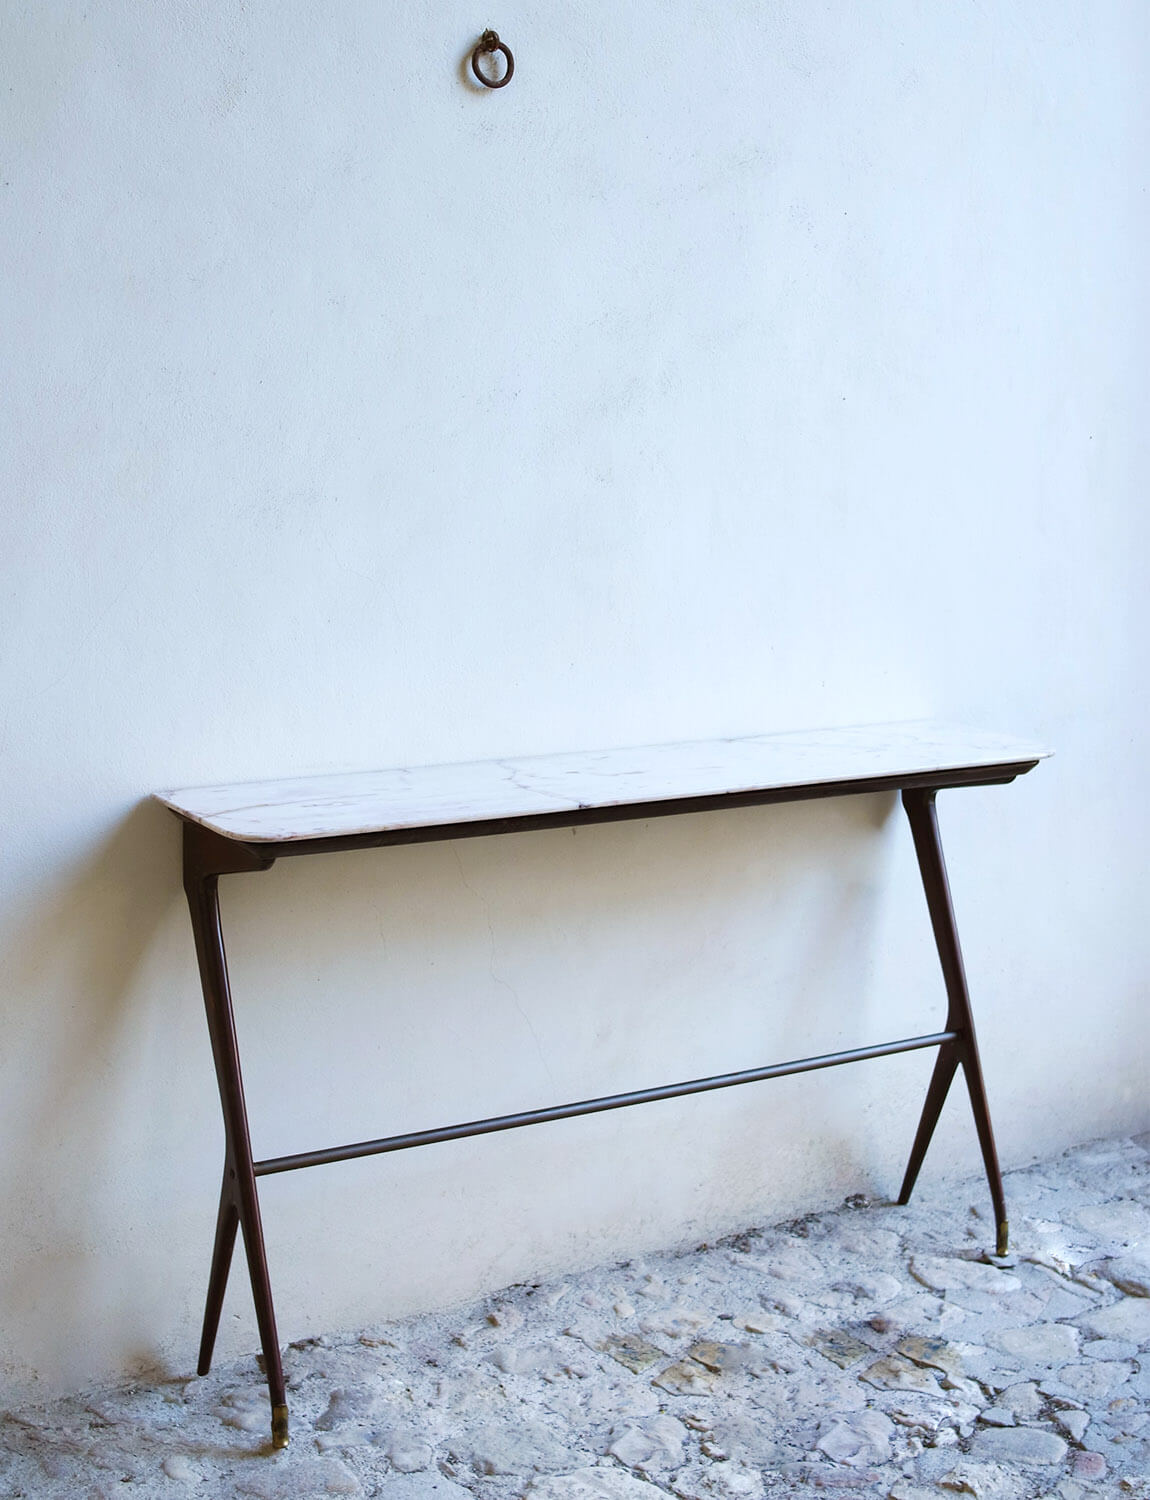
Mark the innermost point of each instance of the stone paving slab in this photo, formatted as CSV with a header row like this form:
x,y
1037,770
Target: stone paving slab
x,y
869,1350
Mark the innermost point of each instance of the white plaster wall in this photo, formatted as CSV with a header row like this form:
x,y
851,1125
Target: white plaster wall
x,y
741,366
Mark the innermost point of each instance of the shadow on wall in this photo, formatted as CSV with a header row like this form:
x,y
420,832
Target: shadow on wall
x,y
558,968
78,960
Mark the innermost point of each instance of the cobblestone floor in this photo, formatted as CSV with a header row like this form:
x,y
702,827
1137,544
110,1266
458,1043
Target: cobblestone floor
x,y
868,1350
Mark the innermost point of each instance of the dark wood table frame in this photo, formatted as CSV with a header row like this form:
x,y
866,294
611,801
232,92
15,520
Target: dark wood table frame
x,y
207,855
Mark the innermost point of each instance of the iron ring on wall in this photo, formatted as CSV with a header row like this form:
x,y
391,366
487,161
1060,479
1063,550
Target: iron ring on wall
x,y
489,43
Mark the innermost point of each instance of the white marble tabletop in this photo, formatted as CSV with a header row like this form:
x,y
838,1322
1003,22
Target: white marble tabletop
x,y
315,807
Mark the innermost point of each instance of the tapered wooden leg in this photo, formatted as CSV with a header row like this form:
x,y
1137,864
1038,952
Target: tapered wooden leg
x,y
204,860
944,1070
976,1088
920,810
227,1222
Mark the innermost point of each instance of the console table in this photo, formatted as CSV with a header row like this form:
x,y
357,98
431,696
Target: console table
x,y
234,829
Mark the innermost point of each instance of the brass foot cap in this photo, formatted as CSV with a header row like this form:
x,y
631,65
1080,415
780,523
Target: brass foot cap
x,y
1003,1246
280,1427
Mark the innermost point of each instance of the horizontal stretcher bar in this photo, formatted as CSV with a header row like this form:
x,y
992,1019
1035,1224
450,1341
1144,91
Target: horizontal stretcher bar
x,y
592,1106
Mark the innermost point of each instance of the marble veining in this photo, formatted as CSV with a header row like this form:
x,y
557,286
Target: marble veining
x,y
432,796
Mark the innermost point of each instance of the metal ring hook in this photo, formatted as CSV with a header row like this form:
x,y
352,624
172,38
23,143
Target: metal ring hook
x,y
489,43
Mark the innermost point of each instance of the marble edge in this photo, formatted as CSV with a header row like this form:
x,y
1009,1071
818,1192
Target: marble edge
x,y
1018,750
